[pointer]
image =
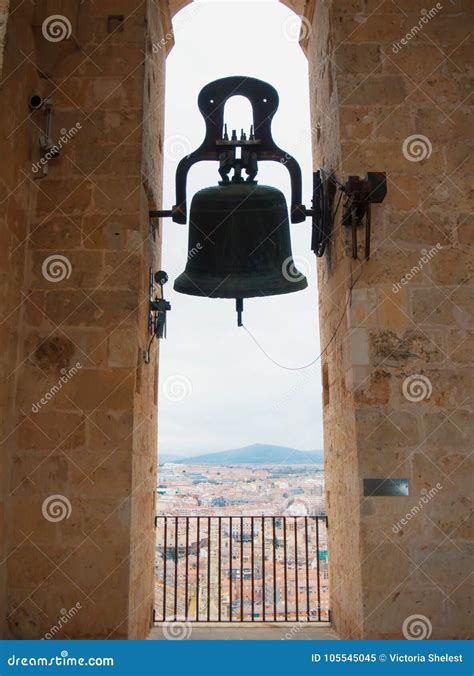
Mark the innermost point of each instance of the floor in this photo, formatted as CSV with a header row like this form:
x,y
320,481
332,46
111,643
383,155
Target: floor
x,y
226,631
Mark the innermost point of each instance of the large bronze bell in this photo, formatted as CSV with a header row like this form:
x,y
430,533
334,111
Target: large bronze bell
x,y
239,244
239,235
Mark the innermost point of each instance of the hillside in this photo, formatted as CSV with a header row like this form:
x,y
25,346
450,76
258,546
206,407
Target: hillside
x,y
257,454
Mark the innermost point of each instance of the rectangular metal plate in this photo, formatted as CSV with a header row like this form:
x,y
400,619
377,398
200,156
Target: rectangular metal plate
x,y
386,487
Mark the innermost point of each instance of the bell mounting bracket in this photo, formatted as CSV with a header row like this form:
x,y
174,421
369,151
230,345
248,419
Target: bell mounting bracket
x,y
361,193
217,145
324,190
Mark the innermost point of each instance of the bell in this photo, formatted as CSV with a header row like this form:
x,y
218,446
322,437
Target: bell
x,y
239,244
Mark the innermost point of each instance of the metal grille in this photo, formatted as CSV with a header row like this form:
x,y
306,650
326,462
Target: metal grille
x,y
242,568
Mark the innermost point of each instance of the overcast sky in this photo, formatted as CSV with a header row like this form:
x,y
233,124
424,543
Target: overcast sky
x,y
217,390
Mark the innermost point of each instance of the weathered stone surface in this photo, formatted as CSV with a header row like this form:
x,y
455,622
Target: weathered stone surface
x,y
393,349
94,438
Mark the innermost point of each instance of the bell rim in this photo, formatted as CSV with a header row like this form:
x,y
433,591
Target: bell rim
x,y
184,281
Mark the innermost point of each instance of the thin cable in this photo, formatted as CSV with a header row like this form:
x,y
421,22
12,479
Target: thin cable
x,y
301,368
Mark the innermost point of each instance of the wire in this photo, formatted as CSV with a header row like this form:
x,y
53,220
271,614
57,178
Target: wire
x,y
301,368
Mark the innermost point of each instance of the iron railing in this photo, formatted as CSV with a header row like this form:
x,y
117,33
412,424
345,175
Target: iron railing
x,y
242,568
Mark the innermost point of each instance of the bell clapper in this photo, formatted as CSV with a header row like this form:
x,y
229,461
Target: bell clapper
x,y
239,306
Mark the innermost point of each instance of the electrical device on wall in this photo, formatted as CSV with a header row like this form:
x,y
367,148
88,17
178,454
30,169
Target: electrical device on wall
x,y
49,149
239,233
158,309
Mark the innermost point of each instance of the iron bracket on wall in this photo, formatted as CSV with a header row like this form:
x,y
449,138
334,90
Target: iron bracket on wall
x,y
324,190
361,193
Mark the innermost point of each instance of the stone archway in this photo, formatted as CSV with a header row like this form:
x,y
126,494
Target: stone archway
x,y
92,443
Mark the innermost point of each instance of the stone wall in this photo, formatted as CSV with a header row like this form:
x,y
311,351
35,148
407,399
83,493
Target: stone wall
x,y
334,281
399,372
88,450
17,196
4,6
78,404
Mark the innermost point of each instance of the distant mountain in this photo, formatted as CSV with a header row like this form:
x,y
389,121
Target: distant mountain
x,y
257,454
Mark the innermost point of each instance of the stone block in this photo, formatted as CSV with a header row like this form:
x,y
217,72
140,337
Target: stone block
x,y
452,267
110,430
94,389
33,473
119,159
450,432
375,389
356,123
465,229
108,232
118,196
384,268
388,348
100,308
373,28
392,309
388,90
124,270
404,193
358,58
359,341
377,429
459,348
414,60
59,232
123,348
389,605
50,429
420,230
368,155
101,474
447,307
71,196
